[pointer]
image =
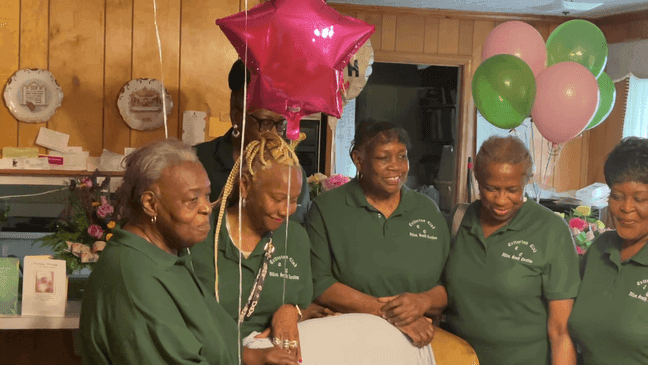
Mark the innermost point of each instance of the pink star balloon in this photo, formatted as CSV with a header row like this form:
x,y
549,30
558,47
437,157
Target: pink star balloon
x,y
296,50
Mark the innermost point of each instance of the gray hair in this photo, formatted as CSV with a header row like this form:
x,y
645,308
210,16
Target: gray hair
x,y
509,149
144,166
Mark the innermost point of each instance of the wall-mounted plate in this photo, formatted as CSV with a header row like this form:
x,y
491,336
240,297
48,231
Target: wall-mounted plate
x,y
33,95
140,104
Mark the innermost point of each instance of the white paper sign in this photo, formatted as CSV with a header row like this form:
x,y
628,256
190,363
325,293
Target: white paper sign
x,y
193,127
44,287
52,139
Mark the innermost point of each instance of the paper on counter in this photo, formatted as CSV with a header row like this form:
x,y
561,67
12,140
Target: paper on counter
x,y
22,163
193,127
6,163
11,152
74,159
52,139
110,161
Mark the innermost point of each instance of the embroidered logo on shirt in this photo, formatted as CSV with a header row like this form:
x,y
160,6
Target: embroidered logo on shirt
x,y
279,265
422,228
642,289
520,251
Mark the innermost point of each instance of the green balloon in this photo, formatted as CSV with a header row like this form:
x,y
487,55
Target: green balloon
x,y
578,41
504,90
607,93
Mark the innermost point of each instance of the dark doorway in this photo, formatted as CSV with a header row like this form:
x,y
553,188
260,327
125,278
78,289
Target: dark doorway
x,y
422,99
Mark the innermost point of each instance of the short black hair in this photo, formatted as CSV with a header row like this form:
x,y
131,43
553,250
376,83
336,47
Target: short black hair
x,y
237,74
628,162
368,131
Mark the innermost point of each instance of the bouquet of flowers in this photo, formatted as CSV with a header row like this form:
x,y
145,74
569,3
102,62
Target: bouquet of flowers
x,y
584,228
318,183
85,225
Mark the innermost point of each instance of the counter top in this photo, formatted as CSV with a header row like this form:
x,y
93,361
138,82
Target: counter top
x,y
70,321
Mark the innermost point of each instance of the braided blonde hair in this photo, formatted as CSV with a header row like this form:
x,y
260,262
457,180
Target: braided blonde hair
x,y
269,148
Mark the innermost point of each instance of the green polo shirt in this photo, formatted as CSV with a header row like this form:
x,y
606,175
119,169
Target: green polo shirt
x,y
216,157
142,305
610,317
354,244
289,266
498,287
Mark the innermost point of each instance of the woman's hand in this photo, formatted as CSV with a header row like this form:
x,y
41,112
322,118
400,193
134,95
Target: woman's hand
x,y
272,356
404,309
420,331
317,311
285,333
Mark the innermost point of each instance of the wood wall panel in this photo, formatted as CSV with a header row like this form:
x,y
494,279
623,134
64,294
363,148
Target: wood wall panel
x,y
146,57
410,33
431,34
33,54
204,68
117,72
448,36
376,20
466,37
481,29
76,59
388,32
9,62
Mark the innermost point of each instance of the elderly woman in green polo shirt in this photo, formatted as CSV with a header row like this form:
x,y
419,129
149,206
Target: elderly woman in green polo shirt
x,y
512,273
143,303
274,270
610,317
378,247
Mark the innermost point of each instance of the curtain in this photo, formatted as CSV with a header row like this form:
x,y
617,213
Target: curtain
x,y
636,116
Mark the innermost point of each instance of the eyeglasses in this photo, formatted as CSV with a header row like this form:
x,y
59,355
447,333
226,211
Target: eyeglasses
x,y
266,125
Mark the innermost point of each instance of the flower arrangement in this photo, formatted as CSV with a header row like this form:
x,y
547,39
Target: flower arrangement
x,y
85,225
318,183
584,228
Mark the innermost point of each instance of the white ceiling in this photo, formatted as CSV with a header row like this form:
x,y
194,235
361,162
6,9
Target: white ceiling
x,y
574,8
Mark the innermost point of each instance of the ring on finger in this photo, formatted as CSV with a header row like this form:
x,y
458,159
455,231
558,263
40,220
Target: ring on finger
x,y
276,341
286,344
293,344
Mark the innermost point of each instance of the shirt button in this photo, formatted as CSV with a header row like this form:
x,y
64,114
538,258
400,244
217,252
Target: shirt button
x,y
379,215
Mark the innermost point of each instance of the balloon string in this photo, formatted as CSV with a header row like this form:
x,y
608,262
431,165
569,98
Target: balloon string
x,y
163,91
283,296
536,189
240,205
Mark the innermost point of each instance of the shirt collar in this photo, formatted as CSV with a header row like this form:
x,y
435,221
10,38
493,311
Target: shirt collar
x,y
518,223
355,197
613,250
231,252
156,254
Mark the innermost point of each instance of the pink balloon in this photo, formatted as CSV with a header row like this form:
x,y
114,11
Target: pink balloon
x,y
518,39
566,100
297,50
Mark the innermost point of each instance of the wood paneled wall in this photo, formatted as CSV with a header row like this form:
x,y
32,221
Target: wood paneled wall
x,y
94,48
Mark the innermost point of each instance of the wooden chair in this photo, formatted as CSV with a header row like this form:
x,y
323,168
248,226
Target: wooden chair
x,y
452,350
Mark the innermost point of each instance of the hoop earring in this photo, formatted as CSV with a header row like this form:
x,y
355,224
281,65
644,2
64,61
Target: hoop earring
x,y
235,133
154,219
243,202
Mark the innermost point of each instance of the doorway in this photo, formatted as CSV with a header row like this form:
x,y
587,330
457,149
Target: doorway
x,y
423,99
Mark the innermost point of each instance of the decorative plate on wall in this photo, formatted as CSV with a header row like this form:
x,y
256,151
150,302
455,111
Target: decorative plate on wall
x,y
140,104
33,95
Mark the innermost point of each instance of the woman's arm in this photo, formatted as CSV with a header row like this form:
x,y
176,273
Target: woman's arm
x,y
562,347
344,299
403,309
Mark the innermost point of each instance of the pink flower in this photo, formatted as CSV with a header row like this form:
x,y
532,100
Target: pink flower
x,y
578,223
580,250
87,182
104,210
95,231
334,181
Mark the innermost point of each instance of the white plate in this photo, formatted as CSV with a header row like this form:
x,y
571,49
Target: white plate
x,y
140,104
33,95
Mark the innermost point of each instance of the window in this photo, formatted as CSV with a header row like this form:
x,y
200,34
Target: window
x,y
636,116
